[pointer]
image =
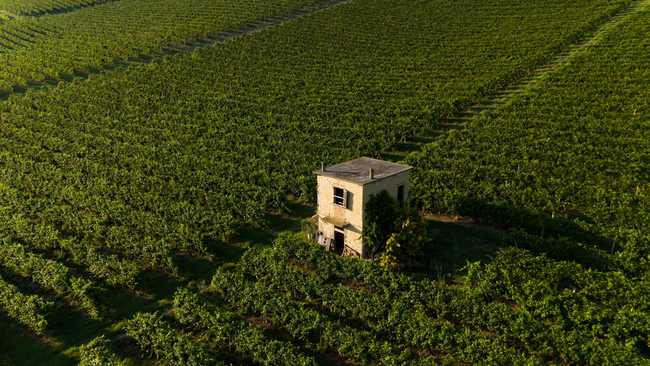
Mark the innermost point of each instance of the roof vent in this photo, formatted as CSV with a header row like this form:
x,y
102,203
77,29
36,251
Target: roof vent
x,y
371,173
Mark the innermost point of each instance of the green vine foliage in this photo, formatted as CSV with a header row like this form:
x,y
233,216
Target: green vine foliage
x,y
232,335
29,7
395,235
157,337
133,167
382,214
98,353
118,173
566,161
58,54
50,275
29,310
517,308
406,244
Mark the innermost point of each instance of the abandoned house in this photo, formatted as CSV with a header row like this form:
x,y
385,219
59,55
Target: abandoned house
x,y
343,191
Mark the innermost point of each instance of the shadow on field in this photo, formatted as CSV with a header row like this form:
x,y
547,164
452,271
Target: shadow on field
x,y
73,327
18,347
503,215
453,245
291,220
67,325
501,225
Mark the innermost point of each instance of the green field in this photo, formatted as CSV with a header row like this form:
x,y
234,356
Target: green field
x,y
44,7
155,165
44,49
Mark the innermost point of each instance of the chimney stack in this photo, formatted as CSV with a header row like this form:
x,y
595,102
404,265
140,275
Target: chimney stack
x,y
371,173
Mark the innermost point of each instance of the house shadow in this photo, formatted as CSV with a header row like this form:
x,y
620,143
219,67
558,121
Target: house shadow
x,y
504,216
496,226
152,287
292,218
295,212
193,267
453,245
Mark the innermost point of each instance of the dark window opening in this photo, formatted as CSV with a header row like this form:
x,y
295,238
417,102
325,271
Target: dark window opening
x,y
339,196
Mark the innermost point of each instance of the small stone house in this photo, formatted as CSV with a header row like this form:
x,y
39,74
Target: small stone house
x,y
343,191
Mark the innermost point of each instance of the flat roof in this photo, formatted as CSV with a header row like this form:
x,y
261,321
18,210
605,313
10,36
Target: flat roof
x,y
357,170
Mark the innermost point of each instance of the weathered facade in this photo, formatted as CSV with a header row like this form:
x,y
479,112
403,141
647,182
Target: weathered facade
x,y
343,191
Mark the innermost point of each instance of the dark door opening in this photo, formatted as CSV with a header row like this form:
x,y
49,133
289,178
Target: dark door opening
x,y
339,241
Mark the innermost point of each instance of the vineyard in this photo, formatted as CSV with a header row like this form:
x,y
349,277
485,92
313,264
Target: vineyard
x,y
133,198
294,304
42,7
116,32
576,166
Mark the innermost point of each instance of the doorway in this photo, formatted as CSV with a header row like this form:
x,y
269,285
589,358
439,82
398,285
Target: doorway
x,y
339,240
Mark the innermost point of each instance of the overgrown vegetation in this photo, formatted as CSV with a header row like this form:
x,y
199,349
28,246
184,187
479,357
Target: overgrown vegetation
x,y
406,245
382,215
396,236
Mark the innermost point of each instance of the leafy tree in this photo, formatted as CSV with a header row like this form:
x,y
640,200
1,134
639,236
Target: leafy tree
x,y
406,244
397,232
381,216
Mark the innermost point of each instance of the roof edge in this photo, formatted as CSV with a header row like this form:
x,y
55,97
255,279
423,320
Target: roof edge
x,y
325,173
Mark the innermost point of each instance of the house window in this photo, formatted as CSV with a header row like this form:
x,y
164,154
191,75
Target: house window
x,y
400,195
339,196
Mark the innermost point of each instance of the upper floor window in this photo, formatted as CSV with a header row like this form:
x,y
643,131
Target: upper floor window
x,y
343,198
339,196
